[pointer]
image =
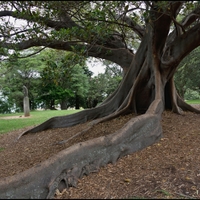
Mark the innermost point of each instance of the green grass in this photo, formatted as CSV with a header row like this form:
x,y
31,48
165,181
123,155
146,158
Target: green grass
x,y
164,192
195,101
1,149
37,117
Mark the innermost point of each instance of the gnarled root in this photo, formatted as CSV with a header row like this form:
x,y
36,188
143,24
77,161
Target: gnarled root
x,y
185,106
178,104
65,168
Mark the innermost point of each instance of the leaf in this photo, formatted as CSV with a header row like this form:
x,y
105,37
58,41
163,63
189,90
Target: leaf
x,y
126,8
127,180
187,178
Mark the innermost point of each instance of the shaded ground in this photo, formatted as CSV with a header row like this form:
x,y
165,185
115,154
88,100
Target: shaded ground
x,y
167,169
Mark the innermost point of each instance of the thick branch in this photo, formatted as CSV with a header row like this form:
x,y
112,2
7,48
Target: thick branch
x,y
121,56
161,22
135,27
185,23
182,46
67,23
42,20
188,20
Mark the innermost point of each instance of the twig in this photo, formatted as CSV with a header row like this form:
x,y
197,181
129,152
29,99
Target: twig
x,y
77,134
187,196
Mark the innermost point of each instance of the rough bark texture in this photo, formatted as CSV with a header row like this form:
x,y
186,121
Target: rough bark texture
x,y
69,165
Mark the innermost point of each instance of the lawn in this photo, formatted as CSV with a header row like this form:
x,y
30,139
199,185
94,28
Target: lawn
x,y
36,117
196,101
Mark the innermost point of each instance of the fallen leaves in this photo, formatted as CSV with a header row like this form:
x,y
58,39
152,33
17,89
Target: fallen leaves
x,y
171,166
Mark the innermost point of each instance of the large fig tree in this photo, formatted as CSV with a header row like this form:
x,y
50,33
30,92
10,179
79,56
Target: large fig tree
x,y
166,31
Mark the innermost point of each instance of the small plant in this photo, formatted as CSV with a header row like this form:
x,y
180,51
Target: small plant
x,y
1,149
164,192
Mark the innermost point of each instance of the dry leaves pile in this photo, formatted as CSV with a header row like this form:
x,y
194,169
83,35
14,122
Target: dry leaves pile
x,y
168,169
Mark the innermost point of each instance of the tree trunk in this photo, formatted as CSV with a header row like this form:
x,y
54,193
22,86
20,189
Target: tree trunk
x,y
77,104
52,105
63,104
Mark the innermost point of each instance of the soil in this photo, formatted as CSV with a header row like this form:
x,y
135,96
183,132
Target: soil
x,y
167,169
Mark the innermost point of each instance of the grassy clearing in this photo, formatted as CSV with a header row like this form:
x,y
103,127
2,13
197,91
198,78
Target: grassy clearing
x,y
36,117
196,101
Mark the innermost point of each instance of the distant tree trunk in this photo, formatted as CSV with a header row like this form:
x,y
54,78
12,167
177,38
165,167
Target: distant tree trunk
x,y
52,105
63,104
77,101
26,105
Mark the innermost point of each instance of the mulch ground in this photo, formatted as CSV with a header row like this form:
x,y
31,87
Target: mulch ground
x,y
168,169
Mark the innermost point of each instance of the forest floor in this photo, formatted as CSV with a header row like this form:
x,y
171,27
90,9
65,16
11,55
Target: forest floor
x,y
168,169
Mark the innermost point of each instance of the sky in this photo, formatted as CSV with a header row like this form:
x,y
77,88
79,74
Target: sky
x,y
95,66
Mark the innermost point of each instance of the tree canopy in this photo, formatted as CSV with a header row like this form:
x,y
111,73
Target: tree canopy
x,y
55,79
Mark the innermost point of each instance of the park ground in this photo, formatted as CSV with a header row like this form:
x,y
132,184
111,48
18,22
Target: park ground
x,y
168,169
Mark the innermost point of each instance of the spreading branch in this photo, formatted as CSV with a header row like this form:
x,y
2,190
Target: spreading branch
x,y
188,41
121,56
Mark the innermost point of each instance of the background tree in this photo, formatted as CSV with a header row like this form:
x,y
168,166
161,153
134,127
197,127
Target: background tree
x,y
187,77
107,30
15,74
52,76
64,80
104,84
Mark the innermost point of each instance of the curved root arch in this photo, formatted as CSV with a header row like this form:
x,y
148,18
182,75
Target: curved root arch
x,y
110,105
129,103
86,115
178,105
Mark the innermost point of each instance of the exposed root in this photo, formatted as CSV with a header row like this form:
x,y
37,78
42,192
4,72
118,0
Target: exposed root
x,y
129,103
186,107
110,105
156,107
65,168
69,120
116,102
77,134
69,178
65,180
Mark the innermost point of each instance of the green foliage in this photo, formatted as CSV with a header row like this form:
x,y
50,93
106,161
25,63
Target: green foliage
x,y
15,74
191,94
5,106
36,117
194,101
63,79
55,77
1,149
187,77
103,85
78,26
